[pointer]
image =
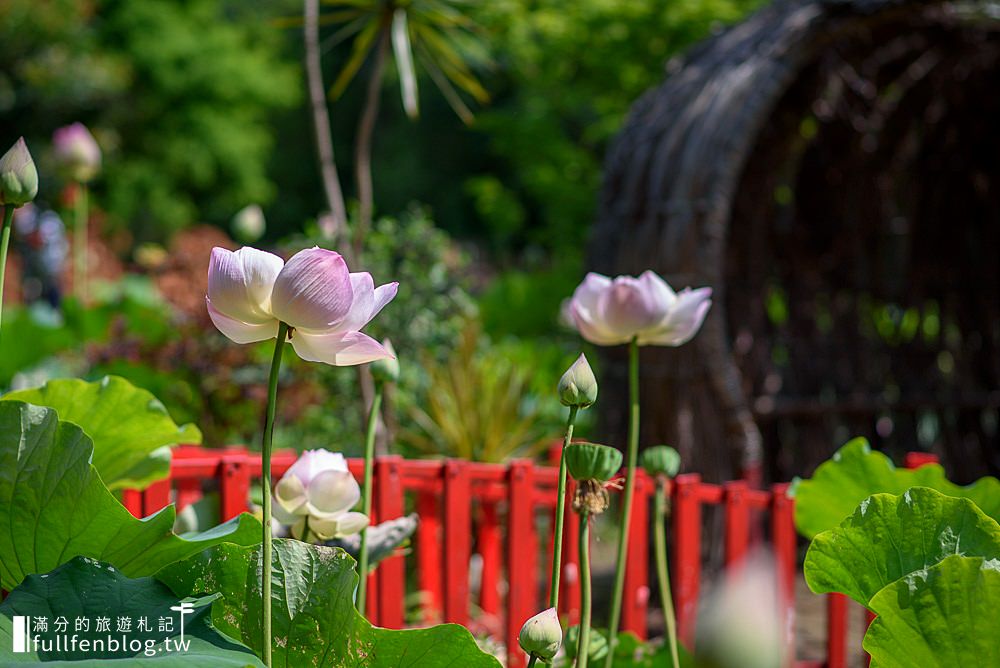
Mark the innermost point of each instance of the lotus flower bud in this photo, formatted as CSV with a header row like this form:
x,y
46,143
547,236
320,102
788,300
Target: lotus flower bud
x,y
661,460
386,370
578,386
590,461
249,224
541,635
77,152
18,176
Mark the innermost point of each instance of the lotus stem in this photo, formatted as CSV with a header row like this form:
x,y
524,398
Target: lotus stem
x,y
626,518
561,511
81,208
8,217
533,660
272,400
583,640
662,570
366,495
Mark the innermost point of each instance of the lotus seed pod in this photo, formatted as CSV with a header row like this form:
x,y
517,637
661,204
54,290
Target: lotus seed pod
x,y
661,460
386,370
578,386
590,461
18,176
541,635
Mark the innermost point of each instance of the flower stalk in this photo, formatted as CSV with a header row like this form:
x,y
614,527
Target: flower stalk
x,y
660,512
272,398
80,213
8,217
367,495
626,517
561,511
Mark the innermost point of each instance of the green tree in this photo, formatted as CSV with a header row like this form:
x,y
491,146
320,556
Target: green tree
x,y
179,95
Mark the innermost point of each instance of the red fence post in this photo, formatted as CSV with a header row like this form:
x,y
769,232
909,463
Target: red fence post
x,y
522,578
636,598
156,497
836,631
491,551
132,500
391,572
457,530
234,485
915,460
737,522
429,566
687,553
372,600
784,540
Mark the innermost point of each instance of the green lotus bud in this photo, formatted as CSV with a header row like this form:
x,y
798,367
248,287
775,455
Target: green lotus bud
x,y
541,635
578,386
18,176
386,370
661,460
590,461
249,224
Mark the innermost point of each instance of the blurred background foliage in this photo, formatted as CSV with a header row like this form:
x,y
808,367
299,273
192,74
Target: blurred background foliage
x,y
200,109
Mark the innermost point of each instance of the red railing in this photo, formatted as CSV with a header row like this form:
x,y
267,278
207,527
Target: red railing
x,y
470,509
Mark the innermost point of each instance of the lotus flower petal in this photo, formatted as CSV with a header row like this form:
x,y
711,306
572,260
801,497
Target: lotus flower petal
x,y
240,284
331,493
338,348
313,462
313,290
683,321
290,494
368,301
239,331
339,526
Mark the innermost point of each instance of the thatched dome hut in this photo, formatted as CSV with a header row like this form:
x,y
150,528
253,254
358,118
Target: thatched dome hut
x,y
832,169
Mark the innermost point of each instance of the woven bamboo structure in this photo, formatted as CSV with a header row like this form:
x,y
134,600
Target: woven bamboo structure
x,y
832,169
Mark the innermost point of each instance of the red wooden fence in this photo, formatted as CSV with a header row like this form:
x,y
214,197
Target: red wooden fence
x,y
469,508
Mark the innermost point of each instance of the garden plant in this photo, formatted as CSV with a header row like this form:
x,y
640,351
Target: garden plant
x,y
86,380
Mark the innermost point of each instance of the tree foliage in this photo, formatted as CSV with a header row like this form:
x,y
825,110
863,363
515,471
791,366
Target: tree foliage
x,y
178,94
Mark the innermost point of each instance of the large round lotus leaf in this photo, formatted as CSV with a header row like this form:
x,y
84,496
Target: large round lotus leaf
x,y
314,619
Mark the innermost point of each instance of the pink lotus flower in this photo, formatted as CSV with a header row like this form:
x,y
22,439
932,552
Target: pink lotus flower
x,y
77,152
609,312
251,291
319,487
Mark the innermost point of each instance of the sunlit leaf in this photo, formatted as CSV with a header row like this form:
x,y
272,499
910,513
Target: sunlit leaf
x,y
53,506
889,537
855,472
941,617
404,63
313,615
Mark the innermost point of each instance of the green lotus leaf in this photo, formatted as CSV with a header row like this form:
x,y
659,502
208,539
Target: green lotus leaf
x,y
314,622
131,430
941,617
855,472
889,537
85,589
53,506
